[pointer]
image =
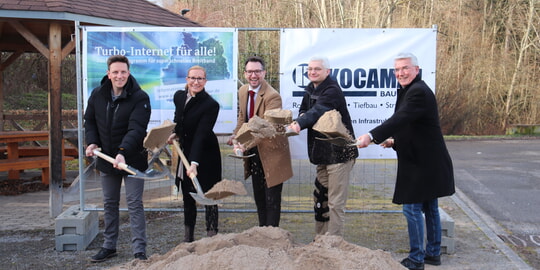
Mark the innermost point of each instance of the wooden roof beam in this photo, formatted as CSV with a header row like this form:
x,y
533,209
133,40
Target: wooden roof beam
x,y
31,38
10,60
68,48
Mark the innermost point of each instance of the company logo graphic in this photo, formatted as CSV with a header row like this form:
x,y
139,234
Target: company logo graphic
x,y
351,80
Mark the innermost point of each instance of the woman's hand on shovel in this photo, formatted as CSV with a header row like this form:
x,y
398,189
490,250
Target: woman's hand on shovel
x,y
171,138
192,170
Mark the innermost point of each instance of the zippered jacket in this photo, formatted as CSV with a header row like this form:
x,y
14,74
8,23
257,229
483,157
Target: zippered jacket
x,y
118,126
316,101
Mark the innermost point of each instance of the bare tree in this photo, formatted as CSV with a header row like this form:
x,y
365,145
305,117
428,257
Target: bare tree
x,y
486,50
525,44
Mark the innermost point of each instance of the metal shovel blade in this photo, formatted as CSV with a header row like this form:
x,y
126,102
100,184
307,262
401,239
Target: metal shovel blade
x,y
240,157
201,199
339,141
149,174
289,132
239,154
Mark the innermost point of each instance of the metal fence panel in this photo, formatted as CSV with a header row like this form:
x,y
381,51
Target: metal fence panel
x,y
371,182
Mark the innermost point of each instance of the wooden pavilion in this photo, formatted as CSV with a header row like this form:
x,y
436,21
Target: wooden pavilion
x,y
48,27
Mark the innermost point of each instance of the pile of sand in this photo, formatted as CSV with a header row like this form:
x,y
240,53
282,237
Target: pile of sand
x,y
267,248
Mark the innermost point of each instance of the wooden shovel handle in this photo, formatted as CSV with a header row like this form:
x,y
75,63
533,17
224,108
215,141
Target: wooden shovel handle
x,y
182,156
122,165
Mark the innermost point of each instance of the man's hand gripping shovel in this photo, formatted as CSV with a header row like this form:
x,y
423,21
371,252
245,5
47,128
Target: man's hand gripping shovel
x,y
199,196
151,174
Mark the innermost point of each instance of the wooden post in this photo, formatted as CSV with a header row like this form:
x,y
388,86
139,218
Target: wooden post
x,y
55,120
1,95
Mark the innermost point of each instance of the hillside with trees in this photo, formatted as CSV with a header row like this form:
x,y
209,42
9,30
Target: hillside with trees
x,y
488,51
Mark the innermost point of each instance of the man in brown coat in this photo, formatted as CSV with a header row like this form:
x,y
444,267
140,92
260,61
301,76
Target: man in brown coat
x,y
271,164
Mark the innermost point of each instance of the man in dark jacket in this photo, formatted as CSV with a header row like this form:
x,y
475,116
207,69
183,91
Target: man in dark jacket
x,y
425,170
116,120
334,163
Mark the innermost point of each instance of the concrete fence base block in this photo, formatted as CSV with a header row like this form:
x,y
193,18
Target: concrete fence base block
x,y
76,229
448,245
447,230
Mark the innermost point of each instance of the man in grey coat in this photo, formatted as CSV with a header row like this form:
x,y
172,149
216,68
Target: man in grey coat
x,y
425,171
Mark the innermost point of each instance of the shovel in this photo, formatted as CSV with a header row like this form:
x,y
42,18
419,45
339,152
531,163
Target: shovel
x,y
340,141
199,196
149,174
289,132
238,153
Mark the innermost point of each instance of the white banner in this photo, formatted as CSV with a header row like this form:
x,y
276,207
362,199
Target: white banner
x,y
362,62
160,58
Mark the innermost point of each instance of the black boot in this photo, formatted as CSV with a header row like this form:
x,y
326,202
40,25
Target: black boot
x,y
189,234
211,220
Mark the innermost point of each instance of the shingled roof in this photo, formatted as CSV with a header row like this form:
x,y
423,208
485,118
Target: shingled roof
x,y
100,12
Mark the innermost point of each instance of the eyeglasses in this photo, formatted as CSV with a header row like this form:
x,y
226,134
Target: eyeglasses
x,y
256,72
197,79
317,69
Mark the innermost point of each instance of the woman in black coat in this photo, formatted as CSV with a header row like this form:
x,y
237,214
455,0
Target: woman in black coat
x,y
195,115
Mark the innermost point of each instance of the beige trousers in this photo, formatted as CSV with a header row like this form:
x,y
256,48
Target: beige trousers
x,y
335,177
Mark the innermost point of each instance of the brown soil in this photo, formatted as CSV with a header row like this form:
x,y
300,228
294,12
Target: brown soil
x,y
330,125
20,186
268,248
252,132
278,116
34,249
226,188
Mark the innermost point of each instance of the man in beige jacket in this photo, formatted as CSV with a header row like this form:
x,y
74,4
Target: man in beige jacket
x,y
271,164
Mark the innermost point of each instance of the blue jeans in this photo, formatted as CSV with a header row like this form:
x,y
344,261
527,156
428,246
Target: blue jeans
x,y
415,225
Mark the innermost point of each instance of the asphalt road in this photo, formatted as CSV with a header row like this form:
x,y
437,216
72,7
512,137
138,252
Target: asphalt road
x,y
502,177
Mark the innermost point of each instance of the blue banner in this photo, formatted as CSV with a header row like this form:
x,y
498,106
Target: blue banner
x,y
160,58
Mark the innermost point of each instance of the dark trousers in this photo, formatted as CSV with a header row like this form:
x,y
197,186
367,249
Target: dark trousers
x,y
190,207
134,187
267,200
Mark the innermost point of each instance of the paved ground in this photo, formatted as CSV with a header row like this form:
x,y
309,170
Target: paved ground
x,y
503,178
500,181
478,245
